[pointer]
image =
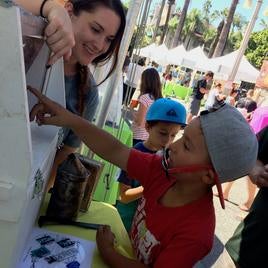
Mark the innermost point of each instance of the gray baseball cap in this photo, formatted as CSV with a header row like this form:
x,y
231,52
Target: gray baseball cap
x,y
231,143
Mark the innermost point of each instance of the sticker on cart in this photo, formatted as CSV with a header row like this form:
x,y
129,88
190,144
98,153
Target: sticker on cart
x,y
46,249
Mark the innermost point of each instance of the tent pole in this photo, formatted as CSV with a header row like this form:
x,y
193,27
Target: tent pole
x,y
132,15
244,43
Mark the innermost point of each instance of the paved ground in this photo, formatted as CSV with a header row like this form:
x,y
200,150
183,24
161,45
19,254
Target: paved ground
x,y
226,222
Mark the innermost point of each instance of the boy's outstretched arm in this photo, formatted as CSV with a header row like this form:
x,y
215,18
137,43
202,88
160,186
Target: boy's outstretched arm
x,y
48,112
105,241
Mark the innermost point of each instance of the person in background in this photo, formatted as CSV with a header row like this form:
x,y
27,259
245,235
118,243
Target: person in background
x,y
150,90
248,103
247,113
126,63
98,28
200,89
132,79
186,78
215,96
59,32
230,99
168,76
248,245
162,127
175,221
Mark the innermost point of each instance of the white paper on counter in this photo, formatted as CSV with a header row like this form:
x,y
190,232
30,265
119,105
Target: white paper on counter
x,y
46,249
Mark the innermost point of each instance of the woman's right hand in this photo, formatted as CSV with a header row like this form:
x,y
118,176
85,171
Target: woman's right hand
x,y
48,112
59,31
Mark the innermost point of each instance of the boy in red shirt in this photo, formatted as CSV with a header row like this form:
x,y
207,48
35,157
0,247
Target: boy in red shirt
x,y
174,223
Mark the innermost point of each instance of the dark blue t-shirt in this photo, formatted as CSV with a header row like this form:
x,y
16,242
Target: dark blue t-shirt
x,y
123,178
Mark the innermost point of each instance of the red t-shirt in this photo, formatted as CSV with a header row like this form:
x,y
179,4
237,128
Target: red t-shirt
x,y
166,236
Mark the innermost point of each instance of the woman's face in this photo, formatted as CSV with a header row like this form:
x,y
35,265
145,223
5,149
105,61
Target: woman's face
x,y
93,33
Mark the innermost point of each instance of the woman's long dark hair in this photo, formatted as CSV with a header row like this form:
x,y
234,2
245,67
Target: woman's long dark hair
x,y
151,84
90,6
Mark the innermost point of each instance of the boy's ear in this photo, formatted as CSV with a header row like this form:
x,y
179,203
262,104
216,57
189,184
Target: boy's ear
x,y
147,127
208,178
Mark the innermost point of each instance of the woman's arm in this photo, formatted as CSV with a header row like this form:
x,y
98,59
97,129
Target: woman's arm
x,y
59,31
139,117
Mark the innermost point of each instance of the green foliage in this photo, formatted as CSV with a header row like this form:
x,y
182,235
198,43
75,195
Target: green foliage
x,y
126,3
173,24
264,24
257,48
235,40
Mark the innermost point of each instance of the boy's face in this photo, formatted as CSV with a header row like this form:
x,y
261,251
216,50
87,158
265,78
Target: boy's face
x,y
190,149
162,134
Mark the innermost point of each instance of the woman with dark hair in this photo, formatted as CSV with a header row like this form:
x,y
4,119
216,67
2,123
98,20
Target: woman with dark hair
x,y
98,27
150,90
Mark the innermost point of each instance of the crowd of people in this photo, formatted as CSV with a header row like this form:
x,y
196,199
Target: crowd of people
x,y
176,184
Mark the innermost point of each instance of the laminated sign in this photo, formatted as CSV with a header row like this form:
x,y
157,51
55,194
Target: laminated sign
x,y
47,249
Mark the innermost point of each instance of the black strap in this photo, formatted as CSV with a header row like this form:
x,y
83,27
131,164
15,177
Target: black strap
x,y
52,220
41,9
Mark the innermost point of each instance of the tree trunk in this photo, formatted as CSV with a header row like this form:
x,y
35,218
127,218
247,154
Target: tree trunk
x,y
158,20
170,3
177,36
216,39
225,31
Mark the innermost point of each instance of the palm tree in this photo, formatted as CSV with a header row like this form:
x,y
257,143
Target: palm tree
x,y
177,36
193,25
225,31
206,12
239,22
158,20
170,3
216,39
264,24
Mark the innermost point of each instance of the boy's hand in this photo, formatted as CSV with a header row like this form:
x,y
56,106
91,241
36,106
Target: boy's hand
x,y
259,175
105,240
48,112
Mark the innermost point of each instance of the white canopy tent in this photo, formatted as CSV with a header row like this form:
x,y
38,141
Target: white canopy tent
x,y
148,50
222,66
194,58
175,55
159,54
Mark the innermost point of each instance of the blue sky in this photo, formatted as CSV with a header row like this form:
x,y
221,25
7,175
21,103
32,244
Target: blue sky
x,y
221,4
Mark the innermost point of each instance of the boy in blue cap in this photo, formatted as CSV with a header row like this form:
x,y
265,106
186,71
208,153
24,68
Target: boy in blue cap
x,y
174,223
164,119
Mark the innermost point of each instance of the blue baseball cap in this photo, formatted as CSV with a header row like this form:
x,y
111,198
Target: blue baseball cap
x,y
167,110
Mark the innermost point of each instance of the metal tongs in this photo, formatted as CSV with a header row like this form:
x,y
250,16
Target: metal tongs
x,y
48,69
